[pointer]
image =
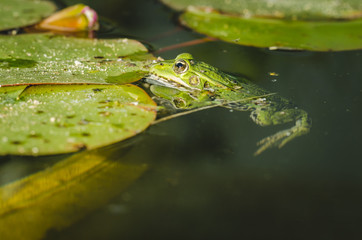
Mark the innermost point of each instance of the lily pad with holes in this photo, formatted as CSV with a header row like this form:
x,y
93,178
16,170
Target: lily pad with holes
x,y
328,25
47,58
21,13
54,119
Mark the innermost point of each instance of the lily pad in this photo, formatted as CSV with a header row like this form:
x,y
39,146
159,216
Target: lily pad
x,y
306,24
46,58
20,13
276,33
286,9
53,119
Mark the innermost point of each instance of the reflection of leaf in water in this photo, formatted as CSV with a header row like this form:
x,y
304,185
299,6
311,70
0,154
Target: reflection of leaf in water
x,y
60,195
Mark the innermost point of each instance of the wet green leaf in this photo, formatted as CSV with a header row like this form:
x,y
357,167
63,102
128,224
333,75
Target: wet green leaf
x,y
20,13
287,9
127,77
299,24
52,119
276,33
62,194
44,58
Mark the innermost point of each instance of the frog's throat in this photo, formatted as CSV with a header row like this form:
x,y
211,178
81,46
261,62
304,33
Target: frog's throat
x,y
171,82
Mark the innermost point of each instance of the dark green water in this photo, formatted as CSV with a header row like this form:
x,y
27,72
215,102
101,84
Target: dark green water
x,y
203,181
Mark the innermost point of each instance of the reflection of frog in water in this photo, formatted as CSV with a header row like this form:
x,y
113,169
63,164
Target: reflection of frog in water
x,y
191,84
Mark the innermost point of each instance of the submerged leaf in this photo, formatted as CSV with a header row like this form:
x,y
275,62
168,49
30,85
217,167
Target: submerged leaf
x,y
53,119
45,58
20,13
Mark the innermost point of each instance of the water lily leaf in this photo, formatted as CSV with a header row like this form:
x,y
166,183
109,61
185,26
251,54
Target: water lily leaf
x,y
276,33
53,119
46,58
20,13
286,9
62,194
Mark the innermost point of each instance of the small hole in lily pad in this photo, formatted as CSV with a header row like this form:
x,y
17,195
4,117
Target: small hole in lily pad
x,y
39,111
105,101
95,90
64,125
85,134
131,65
105,114
83,122
17,142
34,135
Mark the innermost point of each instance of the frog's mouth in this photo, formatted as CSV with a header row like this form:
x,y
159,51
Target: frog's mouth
x,y
176,84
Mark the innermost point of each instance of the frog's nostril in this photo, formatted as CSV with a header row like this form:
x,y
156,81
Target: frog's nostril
x,y
194,80
179,103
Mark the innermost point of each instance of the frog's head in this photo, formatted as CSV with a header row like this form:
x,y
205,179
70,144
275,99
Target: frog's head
x,y
187,74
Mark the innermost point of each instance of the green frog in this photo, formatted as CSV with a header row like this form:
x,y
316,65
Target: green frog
x,y
190,84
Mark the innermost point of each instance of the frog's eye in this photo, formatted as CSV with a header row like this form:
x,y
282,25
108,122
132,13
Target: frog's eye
x,y
180,66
